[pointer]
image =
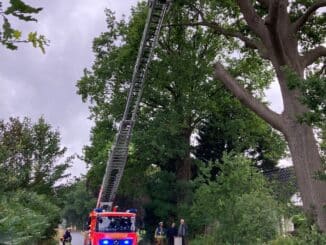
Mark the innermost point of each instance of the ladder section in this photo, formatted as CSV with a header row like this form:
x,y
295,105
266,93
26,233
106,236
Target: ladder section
x,y
119,152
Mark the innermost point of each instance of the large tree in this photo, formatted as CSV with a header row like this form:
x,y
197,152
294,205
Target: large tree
x,y
179,96
30,168
30,156
289,35
77,202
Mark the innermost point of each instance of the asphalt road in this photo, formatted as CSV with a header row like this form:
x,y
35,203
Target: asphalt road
x,y
77,238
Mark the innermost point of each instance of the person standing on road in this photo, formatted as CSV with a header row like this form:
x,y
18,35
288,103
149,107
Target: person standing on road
x,y
171,233
160,234
183,231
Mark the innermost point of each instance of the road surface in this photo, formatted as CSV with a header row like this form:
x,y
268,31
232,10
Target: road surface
x,y
77,238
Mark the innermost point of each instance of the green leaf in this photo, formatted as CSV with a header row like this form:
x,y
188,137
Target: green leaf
x,y
17,34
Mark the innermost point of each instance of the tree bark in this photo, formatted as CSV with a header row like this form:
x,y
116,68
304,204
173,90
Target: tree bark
x,y
183,165
303,148
307,162
183,168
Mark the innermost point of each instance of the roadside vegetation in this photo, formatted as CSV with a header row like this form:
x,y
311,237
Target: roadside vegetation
x,y
205,137
32,164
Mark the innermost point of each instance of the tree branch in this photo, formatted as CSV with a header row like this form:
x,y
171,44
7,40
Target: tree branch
x,y
277,23
253,20
264,2
248,99
249,43
322,71
230,33
305,17
311,56
273,12
226,32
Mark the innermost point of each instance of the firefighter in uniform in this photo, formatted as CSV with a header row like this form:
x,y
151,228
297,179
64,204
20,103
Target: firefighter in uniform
x,y
160,234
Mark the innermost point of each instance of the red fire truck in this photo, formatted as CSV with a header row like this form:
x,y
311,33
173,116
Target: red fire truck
x,y
118,228
111,228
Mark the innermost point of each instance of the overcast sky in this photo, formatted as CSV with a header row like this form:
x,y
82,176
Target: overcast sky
x,y
33,84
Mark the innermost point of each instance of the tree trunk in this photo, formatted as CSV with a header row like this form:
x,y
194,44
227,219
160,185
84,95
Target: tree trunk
x,y
307,162
183,176
278,43
183,164
304,151
184,168
300,137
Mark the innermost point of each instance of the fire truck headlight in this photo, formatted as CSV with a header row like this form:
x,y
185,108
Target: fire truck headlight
x,y
104,242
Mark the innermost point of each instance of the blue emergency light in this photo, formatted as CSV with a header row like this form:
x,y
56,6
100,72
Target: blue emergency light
x,y
115,242
131,210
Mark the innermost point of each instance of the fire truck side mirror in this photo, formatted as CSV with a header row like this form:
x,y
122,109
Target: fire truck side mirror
x,y
87,226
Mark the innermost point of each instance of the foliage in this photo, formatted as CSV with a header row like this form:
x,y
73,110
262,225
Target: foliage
x,y
78,202
239,200
180,98
9,36
282,34
175,103
313,89
29,155
162,192
305,233
234,128
26,217
30,167
96,155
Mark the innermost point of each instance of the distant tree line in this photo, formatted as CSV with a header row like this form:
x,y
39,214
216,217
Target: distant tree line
x,y
32,173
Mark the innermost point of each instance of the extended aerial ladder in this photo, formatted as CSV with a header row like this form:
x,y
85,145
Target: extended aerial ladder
x,y
119,151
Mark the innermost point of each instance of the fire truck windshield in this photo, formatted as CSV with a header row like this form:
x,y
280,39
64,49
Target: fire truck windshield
x,y
115,224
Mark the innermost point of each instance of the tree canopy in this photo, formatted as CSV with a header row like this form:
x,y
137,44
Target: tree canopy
x,y
204,97
180,99
31,165
238,199
288,37
29,155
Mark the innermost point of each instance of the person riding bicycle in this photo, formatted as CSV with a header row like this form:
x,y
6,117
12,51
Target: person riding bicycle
x,y
66,237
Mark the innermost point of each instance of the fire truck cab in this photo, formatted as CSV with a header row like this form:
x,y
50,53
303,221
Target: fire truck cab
x,y
111,228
